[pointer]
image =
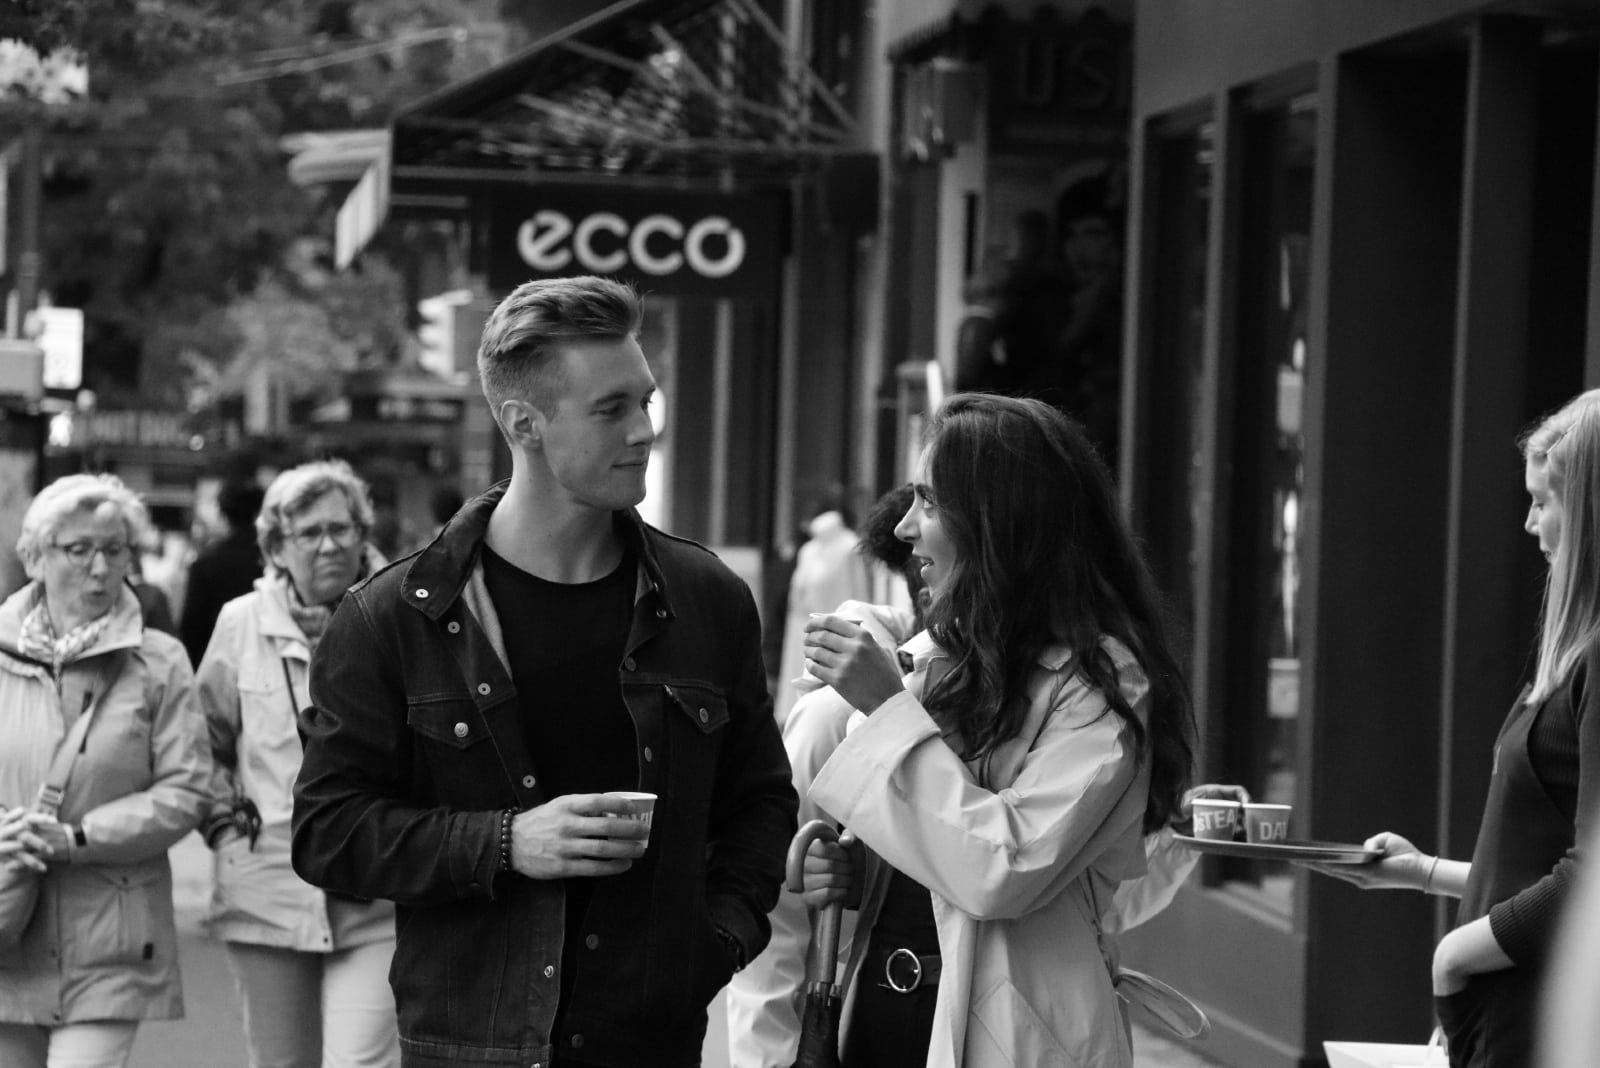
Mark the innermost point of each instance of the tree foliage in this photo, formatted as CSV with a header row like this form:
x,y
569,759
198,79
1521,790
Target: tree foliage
x,y
169,216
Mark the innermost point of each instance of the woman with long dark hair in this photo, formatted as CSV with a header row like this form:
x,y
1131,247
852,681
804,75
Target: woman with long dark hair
x,y
1043,730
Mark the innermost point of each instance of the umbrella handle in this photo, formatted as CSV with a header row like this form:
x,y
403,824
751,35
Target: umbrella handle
x,y
825,933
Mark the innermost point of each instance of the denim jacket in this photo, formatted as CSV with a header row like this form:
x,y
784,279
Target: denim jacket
x,y
414,744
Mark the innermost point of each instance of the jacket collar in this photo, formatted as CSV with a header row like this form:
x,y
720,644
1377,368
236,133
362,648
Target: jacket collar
x,y
436,576
125,631
273,615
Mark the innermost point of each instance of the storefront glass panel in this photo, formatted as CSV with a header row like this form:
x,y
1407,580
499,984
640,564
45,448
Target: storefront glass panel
x,y
1267,452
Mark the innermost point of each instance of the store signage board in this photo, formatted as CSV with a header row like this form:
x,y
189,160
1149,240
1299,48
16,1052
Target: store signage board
x,y
665,242
60,335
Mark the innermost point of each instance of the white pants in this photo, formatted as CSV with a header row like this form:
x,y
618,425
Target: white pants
x,y
285,992
94,1044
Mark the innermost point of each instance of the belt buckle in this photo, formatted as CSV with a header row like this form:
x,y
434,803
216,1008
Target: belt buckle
x,y
916,971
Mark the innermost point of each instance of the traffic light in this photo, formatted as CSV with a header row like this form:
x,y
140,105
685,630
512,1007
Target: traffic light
x,y
436,331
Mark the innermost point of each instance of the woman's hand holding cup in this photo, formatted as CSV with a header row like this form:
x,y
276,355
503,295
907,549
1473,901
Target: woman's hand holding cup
x,y
843,654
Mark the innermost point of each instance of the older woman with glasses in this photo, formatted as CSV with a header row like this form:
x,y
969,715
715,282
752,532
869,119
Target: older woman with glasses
x,y
312,968
99,952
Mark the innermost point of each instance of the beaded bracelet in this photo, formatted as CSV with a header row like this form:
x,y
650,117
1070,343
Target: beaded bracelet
x,y
505,838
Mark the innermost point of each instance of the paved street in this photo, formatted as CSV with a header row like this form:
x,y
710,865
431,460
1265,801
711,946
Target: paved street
x,y
210,1036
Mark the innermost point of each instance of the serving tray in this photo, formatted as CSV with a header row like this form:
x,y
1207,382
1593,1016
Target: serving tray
x,y
1318,852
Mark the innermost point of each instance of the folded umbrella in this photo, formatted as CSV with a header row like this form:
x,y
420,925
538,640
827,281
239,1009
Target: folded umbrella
x,y
819,1020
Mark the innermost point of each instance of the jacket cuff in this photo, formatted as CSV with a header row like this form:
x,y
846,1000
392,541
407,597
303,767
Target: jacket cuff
x,y
474,844
730,916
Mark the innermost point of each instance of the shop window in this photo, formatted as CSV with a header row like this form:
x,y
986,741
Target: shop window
x,y
1265,461
1184,157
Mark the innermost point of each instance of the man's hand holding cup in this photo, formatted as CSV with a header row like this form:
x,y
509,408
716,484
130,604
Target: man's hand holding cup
x,y
582,835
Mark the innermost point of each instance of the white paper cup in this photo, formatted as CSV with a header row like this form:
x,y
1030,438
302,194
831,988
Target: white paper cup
x,y
632,795
1267,824
1217,821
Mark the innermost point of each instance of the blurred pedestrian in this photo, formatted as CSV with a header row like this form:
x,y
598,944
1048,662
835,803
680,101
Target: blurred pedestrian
x,y
827,571
1042,731
312,968
225,570
482,711
78,669
1544,787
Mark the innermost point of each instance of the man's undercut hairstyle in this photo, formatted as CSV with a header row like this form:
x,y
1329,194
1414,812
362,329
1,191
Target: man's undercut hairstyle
x,y
525,328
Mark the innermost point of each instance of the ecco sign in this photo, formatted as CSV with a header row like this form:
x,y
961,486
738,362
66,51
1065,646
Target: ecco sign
x,y
667,242
657,245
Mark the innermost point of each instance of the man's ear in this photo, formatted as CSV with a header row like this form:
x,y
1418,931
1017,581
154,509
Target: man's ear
x,y
522,423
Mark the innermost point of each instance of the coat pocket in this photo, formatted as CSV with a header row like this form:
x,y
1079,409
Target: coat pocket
x,y
1004,1030
110,911
706,709
458,753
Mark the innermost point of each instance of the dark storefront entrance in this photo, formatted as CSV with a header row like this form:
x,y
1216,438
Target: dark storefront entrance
x,y
1363,262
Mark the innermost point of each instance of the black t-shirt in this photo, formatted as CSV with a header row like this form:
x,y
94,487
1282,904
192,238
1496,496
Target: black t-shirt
x,y
565,642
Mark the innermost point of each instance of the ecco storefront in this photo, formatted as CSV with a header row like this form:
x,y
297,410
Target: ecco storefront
x,y
688,147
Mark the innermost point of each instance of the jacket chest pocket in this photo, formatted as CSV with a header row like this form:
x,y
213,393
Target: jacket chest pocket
x,y
454,747
703,705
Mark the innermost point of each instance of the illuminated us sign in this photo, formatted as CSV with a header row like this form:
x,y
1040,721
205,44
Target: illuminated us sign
x,y
665,242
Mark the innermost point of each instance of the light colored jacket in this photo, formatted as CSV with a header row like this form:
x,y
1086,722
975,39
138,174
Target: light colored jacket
x,y
102,944
251,685
766,999
1022,860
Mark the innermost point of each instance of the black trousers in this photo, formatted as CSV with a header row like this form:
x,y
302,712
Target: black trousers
x,y
1492,1022
889,1029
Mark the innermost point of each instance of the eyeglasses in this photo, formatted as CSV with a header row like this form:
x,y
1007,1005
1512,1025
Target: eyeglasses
x,y
81,553
309,538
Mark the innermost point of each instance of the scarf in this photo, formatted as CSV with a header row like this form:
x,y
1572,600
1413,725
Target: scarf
x,y
38,638
312,619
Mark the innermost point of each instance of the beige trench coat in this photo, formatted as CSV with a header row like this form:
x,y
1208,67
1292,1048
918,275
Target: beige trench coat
x,y
102,944
1022,865
251,684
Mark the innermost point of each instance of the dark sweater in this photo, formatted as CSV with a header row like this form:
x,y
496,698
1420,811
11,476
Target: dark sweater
x,y
1544,794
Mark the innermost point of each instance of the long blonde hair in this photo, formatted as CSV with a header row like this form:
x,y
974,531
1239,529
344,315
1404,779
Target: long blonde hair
x,y
1567,446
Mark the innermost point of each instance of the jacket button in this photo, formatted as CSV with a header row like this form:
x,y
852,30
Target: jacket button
x,y
453,627
461,730
577,1041
483,688
648,755
528,781
705,717
549,970
661,613
593,941
628,664
422,595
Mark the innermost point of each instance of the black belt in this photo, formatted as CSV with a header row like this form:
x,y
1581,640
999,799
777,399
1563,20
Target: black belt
x,y
904,971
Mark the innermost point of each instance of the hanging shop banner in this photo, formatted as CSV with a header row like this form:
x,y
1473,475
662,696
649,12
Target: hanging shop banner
x,y
1059,86
664,242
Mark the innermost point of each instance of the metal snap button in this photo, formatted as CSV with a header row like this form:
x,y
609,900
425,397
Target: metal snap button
x,y
528,781
628,664
593,941
483,688
661,613
705,717
461,730
422,595
577,1041
549,970
453,627
648,755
